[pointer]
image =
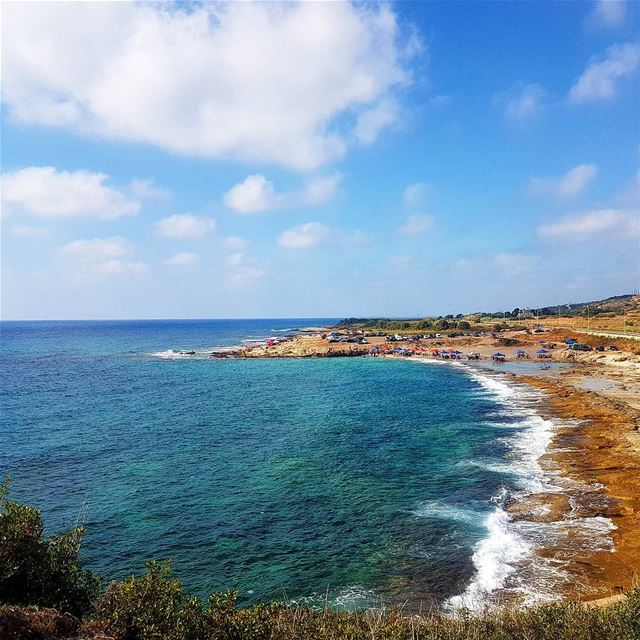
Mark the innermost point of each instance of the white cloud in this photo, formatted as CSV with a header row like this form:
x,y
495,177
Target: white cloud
x,y
47,192
607,14
184,225
370,123
147,189
234,243
599,80
256,194
28,231
122,268
304,236
252,195
602,223
258,82
97,248
101,256
182,259
522,102
570,185
416,224
415,194
242,270
320,189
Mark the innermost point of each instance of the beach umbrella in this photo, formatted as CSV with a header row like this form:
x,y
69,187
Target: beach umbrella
x,y
498,355
542,351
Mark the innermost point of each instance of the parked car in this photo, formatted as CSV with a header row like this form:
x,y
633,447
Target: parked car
x,y
579,347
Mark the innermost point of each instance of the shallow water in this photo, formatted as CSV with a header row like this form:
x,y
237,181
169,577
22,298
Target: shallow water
x,y
353,479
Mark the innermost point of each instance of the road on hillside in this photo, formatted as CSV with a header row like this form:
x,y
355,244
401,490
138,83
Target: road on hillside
x,y
609,334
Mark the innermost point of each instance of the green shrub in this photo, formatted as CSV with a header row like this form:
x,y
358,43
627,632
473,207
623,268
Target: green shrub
x,y
37,571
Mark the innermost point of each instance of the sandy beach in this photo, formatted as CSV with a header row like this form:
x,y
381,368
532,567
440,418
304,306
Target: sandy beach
x,y
595,397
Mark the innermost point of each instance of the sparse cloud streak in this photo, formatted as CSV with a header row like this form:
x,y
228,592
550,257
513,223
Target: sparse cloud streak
x,y
304,236
605,224
601,78
570,185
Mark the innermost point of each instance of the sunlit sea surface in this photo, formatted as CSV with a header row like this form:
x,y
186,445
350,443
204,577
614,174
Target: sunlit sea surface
x,y
360,480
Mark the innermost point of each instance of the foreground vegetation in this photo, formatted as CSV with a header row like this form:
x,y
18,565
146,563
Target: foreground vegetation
x,y
46,595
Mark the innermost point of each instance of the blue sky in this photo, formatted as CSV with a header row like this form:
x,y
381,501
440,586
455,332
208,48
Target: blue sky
x,y
319,160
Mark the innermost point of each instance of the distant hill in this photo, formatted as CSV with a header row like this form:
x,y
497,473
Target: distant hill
x,y
614,305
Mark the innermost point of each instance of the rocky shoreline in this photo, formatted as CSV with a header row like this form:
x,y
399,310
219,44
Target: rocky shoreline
x,y
597,399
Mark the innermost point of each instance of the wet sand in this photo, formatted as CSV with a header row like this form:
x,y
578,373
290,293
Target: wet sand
x,y
600,446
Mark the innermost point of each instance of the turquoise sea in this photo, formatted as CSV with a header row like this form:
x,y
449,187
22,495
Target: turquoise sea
x,y
359,480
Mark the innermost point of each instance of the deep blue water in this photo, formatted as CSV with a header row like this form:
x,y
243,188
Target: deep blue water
x,y
348,476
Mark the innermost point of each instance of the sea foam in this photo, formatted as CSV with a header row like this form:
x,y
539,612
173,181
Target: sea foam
x,y
505,560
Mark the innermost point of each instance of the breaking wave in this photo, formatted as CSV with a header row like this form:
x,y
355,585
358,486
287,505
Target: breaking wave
x,y
507,564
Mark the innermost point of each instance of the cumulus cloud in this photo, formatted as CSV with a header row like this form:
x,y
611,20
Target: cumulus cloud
x,y
97,248
47,192
603,223
607,14
252,195
182,259
303,236
569,185
600,79
522,102
256,194
184,225
416,224
251,81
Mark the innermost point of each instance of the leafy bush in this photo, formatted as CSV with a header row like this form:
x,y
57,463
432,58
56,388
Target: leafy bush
x,y
153,606
38,571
